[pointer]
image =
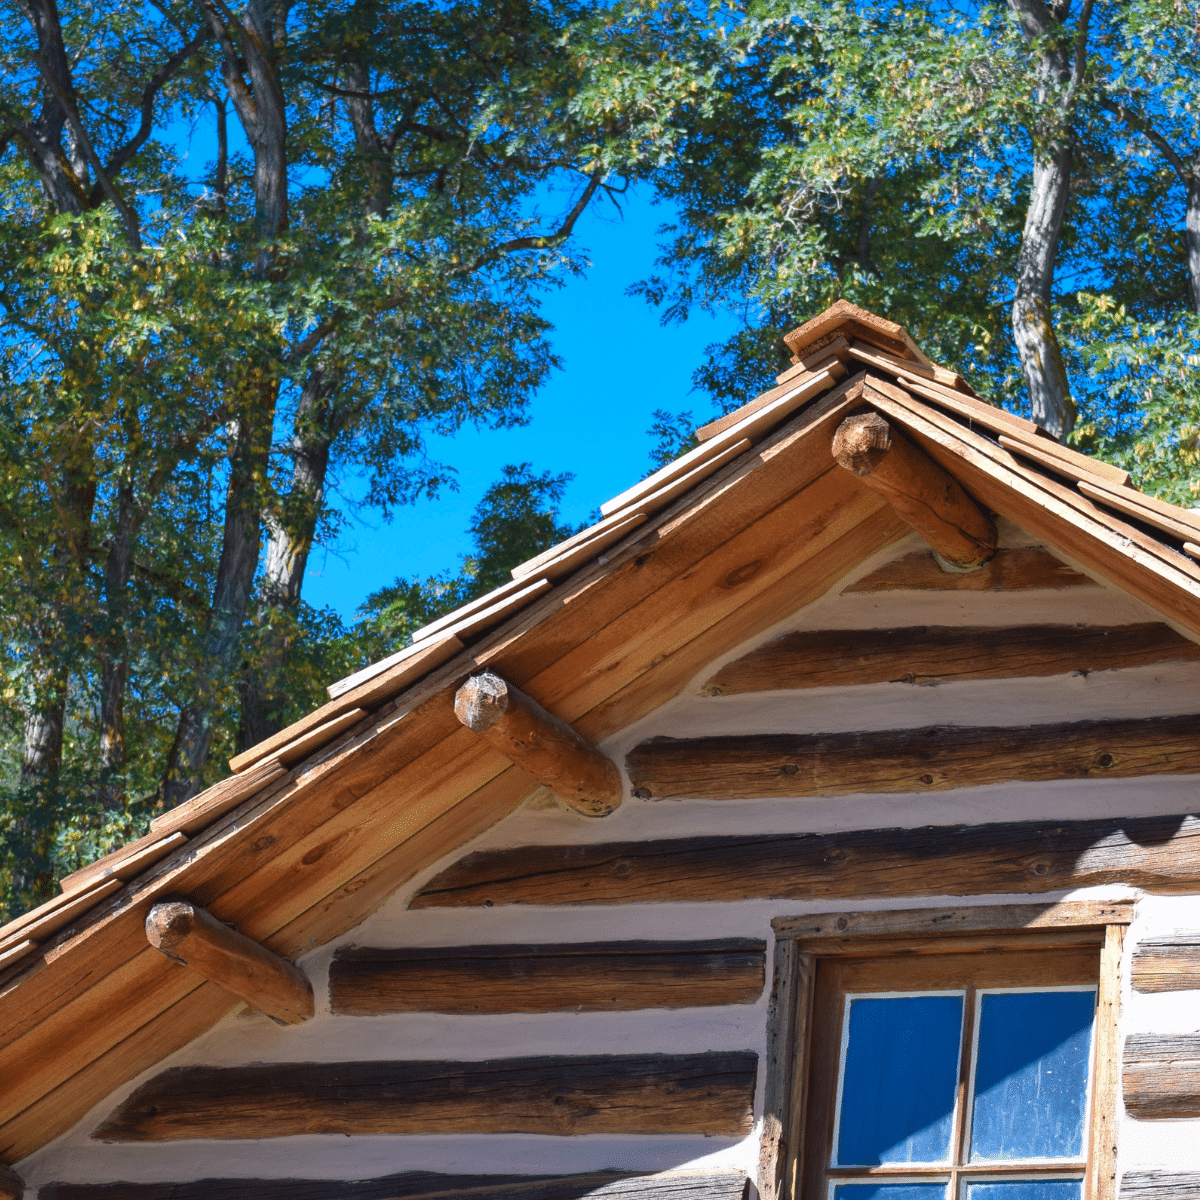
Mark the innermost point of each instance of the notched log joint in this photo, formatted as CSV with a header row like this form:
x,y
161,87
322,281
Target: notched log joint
x,y
540,743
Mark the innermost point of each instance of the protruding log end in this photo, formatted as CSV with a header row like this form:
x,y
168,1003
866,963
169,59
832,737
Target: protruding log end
x,y
192,937
861,441
923,493
539,742
481,701
12,1186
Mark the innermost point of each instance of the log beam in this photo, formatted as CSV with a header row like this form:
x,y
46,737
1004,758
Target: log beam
x,y
194,938
11,1185
540,743
886,762
924,494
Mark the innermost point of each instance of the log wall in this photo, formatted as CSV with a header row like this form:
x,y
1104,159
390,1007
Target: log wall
x,y
574,1009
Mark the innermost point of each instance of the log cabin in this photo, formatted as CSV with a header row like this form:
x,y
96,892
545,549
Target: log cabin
x,y
821,824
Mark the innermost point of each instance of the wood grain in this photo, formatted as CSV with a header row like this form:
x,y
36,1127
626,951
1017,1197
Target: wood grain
x,y
1160,854
936,758
1160,1185
1168,964
710,1094
921,491
588,977
537,741
953,921
940,654
192,937
1101,1180
1023,568
1161,1076
428,1185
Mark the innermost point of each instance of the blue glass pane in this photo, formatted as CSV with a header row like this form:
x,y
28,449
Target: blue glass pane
x,y
1025,1189
899,1080
889,1191
1031,1075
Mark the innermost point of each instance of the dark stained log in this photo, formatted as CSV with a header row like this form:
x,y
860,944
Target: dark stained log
x,y
1160,854
194,938
1169,964
587,977
12,1187
710,1094
934,759
1161,1076
939,654
540,743
1160,1185
923,493
1022,568
427,1185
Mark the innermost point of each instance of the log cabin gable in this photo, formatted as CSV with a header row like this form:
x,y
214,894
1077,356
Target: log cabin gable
x,y
961,663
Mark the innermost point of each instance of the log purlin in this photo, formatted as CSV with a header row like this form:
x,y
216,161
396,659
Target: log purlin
x,y
710,1094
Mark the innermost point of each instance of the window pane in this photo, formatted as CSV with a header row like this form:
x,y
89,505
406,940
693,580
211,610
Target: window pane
x,y
1025,1189
899,1080
1031,1076
891,1191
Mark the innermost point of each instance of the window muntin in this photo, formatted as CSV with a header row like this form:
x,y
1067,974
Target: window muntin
x,y
1005,1114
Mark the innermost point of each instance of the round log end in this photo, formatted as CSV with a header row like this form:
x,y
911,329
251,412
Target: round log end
x,y
861,441
481,701
167,924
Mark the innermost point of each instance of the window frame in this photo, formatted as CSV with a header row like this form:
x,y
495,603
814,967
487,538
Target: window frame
x,y
800,941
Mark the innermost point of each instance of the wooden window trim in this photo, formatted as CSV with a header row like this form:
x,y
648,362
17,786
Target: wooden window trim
x,y
801,940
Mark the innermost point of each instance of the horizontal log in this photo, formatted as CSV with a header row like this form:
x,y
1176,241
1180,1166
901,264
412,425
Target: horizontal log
x,y
710,1094
1170,964
194,938
933,759
1160,1185
539,742
924,494
942,654
1161,1076
428,1185
588,977
12,1187
1022,568
1159,854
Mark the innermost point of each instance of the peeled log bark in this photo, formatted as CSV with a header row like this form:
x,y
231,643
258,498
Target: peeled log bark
x,y
931,500
194,938
540,743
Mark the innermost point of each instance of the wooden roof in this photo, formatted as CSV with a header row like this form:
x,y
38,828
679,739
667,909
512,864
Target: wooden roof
x,y
319,824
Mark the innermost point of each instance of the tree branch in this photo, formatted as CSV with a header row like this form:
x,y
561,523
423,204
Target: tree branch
x,y
543,241
1139,124
150,94
132,229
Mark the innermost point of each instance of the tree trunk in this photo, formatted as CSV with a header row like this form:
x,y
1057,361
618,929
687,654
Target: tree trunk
x,y
1032,319
290,532
1192,233
230,604
1060,63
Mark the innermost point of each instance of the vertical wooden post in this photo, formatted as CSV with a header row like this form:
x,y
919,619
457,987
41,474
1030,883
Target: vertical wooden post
x,y
1101,1180
788,1018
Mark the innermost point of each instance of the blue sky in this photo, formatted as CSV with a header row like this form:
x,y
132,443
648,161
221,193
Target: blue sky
x,y
591,418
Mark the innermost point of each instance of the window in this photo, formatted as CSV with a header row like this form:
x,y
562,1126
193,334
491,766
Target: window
x,y
943,1067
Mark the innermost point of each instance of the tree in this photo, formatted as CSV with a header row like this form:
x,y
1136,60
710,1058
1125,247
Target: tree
x,y
193,365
